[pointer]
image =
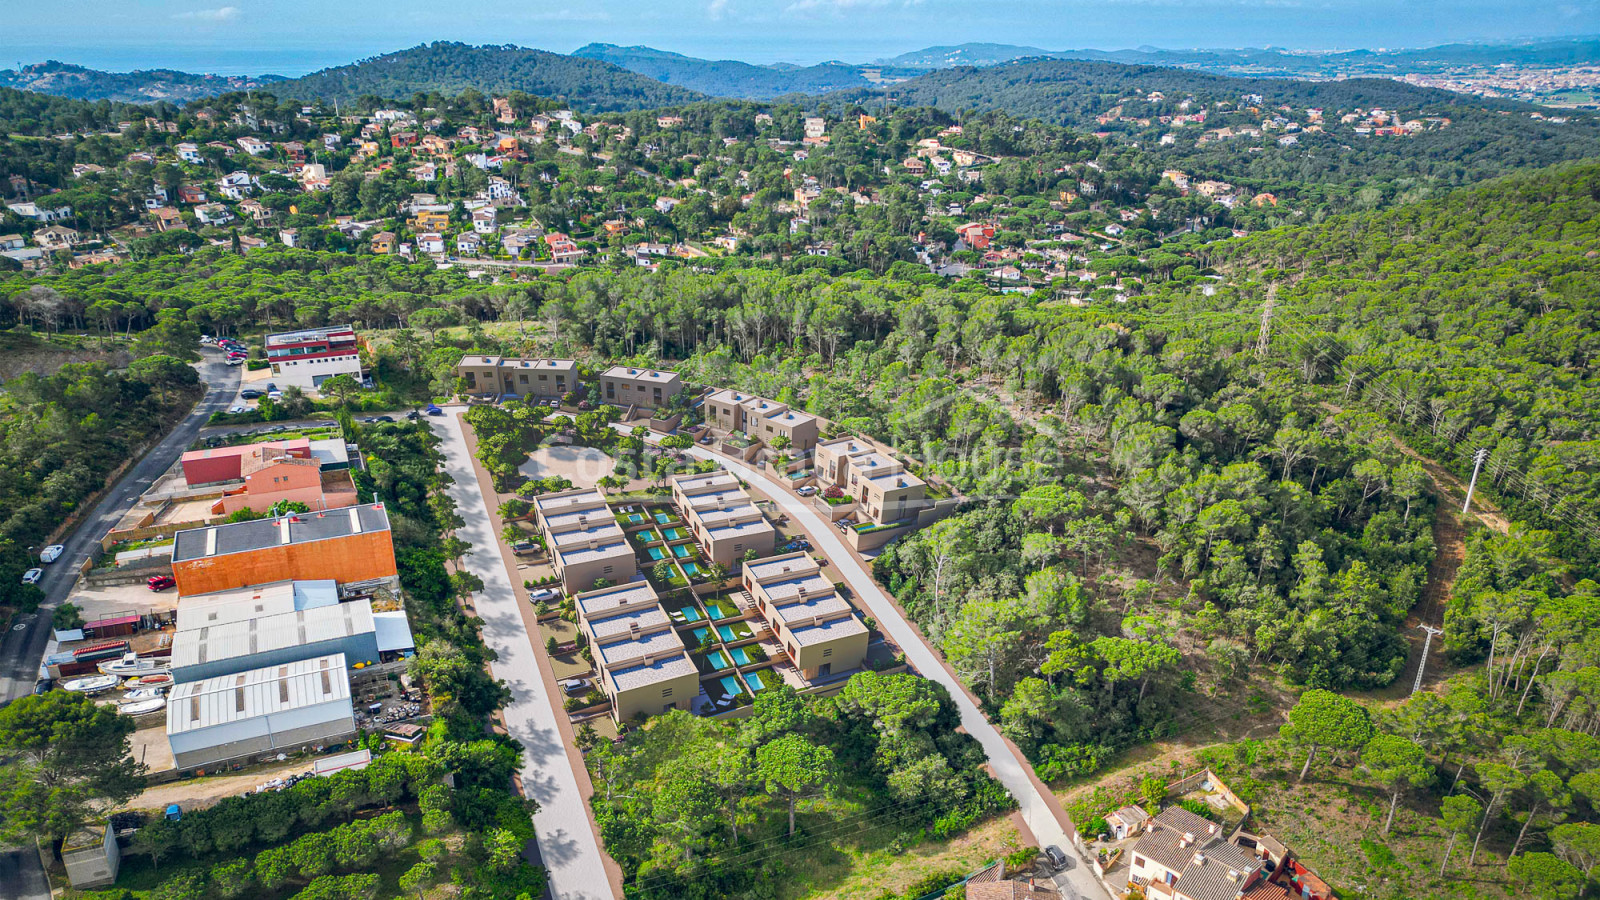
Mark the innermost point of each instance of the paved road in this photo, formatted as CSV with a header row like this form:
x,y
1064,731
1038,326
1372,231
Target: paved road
x,y
567,844
22,649
21,878
1011,770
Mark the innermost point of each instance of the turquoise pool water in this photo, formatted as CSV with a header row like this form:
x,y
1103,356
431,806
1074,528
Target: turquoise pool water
x,y
730,683
656,552
690,569
727,632
754,680
682,550
718,660
741,657
720,609
687,614
700,634
674,534
635,518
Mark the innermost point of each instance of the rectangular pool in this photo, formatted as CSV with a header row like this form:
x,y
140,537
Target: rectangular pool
x,y
718,660
720,609
690,569
740,657
738,631
634,518
754,680
730,683
686,614
656,552
674,533
700,635
663,518
683,551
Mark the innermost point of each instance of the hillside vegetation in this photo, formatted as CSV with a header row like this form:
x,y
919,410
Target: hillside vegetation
x,y
444,67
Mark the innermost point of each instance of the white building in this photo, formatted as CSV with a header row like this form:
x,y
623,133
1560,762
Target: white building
x,y
308,358
260,711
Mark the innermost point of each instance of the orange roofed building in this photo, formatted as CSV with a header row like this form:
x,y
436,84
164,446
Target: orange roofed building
x,y
347,545
272,475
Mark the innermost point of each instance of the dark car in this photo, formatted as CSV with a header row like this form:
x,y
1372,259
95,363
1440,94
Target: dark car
x,y
1058,860
161,582
413,416
384,419
43,685
435,411
249,394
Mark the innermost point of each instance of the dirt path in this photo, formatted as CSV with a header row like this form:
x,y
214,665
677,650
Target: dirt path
x,y
199,793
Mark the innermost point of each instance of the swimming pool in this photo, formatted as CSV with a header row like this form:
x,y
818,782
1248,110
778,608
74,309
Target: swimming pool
x,y
674,533
634,518
700,635
656,552
754,680
738,631
718,660
720,609
740,657
690,569
686,614
682,551
663,518
730,683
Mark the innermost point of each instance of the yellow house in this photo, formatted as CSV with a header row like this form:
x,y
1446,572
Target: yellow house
x,y
817,628
430,220
643,667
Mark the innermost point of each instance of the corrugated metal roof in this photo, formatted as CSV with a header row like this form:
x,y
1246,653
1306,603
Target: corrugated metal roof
x,y
254,602
291,629
257,692
394,632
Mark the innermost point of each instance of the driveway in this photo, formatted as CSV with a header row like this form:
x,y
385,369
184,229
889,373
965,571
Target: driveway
x,y
22,649
583,466
1007,764
567,844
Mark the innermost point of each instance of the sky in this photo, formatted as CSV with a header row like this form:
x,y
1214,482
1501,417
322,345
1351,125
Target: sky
x,y
292,37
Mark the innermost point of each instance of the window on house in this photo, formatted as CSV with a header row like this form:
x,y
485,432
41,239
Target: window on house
x,y
666,692
827,651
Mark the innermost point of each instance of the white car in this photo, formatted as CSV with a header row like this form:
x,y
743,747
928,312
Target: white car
x,y
543,594
51,553
235,362
238,409
806,491
32,576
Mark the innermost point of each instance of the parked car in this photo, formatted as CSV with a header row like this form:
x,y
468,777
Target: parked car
x,y
524,547
384,419
1058,860
161,582
434,411
543,594
806,491
574,685
274,396
236,361
272,386
413,416
51,553
32,576
44,685
238,409
249,394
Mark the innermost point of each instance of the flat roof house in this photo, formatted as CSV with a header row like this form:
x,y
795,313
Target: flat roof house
x,y
642,664
584,540
885,490
310,357
722,518
543,378
271,709
272,475
760,418
347,545
627,386
818,628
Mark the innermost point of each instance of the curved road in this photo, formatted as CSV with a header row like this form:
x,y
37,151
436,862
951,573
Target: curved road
x,y
1009,768
22,649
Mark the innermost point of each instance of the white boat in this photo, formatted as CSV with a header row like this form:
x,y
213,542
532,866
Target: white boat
x,y
91,684
142,707
148,680
138,695
134,664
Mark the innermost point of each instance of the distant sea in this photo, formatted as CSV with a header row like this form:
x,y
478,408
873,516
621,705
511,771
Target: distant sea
x,y
287,61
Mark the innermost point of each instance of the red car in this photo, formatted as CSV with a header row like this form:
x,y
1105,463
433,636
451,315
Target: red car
x,y
161,582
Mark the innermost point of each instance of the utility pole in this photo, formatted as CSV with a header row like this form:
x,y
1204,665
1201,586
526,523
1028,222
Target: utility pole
x,y
1422,664
1477,463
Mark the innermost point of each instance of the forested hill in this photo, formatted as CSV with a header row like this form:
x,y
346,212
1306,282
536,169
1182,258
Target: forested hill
x,y
1473,321
142,86
450,68
731,78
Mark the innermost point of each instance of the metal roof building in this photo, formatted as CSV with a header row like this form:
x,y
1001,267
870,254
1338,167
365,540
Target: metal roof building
x,y
231,647
254,602
259,711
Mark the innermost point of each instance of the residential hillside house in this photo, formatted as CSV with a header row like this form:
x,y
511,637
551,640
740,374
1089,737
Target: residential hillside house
x,y
762,419
885,491
722,518
505,375
218,465
351,545
643,666
584,540
817,628
627,386
56,237
1183,856
310,357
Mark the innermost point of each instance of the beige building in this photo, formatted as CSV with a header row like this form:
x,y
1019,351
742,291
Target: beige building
x,y
626,386
724,521
818,628
643,667
584,540
543,378
761,419
885,492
